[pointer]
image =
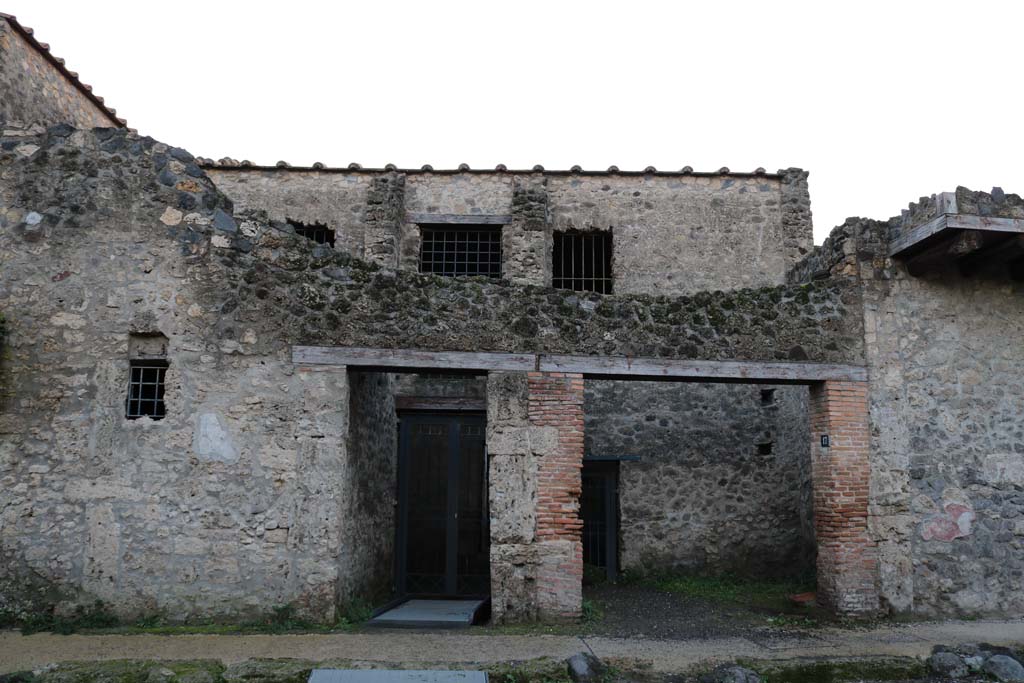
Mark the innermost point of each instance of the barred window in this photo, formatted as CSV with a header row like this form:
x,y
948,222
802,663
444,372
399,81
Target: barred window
x,y
146,389
582,261
460,250
318,232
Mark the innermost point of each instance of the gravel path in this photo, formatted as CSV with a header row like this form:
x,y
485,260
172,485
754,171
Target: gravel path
x,y
18,652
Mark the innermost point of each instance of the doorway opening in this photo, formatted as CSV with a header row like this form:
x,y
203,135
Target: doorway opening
x,y
599,510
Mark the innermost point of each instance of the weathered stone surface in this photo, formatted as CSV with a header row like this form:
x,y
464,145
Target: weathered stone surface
x,y
1004,668
228,506
268,671
371,469
947,664
666,229
34,91
586,668
264,493
946,432
212,442
730,673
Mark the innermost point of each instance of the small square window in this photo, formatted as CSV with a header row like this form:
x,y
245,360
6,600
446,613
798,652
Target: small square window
x,y
767,397
317,232
146,390
765,448
460,250
582,261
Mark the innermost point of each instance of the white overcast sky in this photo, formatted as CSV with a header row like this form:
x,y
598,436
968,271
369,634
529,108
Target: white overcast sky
x,y
882,101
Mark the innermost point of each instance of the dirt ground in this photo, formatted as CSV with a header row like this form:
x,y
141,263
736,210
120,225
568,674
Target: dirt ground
x,y
642,610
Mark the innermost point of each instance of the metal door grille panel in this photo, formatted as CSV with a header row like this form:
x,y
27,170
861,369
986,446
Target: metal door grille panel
x,y
443,536
465,250
595,528
582,261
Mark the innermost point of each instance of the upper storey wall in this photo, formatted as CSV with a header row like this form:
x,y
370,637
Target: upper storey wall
x,y
673,233
681,234
37,88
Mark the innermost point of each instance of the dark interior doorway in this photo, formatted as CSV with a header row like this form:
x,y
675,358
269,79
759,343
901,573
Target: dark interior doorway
x,y
443,535
599,508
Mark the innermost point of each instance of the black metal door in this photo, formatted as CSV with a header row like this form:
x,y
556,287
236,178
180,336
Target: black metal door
x,y
443,536
599,508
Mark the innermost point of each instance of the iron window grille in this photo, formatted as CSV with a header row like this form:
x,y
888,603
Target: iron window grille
x,y
460,250
146,390
582,261
317,232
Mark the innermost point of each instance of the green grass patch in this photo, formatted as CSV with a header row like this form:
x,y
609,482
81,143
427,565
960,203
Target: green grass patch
x,y
543,670
97,618
734,589
96,615
592,612
840,670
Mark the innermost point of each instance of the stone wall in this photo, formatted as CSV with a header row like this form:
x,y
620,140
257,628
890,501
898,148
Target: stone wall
x,y
683,234
368,511
230,505
945,400
246,496
335,200
705,497
35,89
947,397
273,280
673,233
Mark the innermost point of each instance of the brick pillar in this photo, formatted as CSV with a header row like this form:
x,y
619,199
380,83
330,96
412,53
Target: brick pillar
x,y
556,400
847,557
535,448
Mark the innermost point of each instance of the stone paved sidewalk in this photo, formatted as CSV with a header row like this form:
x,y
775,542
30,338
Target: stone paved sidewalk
x,y
18,652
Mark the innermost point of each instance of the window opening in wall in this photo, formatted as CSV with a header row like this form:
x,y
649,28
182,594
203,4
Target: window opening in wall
x,y
318,232
460,250
767,397
146,389
765,448
582,261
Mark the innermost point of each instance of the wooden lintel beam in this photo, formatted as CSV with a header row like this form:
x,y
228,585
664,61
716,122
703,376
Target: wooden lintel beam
x,y
412,359
917,235
970,222
440,403
457,219
595,367
752,372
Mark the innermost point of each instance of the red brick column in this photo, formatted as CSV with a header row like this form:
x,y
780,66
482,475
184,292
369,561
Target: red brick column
x,y
847,557
556,400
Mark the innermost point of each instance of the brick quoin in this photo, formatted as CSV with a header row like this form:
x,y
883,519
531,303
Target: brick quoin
x,y
847,556
556,400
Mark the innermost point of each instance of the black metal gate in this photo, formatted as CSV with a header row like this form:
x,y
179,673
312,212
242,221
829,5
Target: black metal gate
x,y
599,508
443,536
